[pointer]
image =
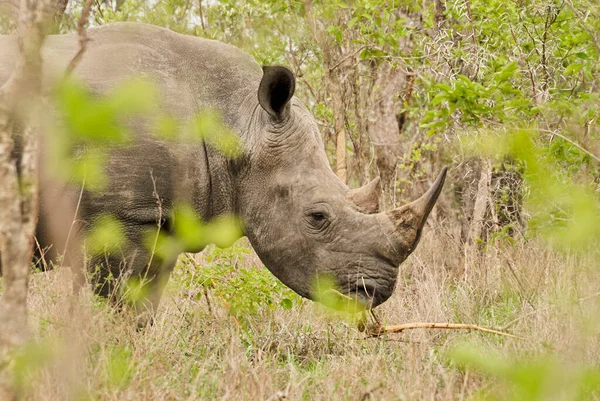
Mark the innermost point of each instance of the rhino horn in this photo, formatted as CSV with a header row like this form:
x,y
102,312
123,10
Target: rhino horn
x,y
366,198
408,220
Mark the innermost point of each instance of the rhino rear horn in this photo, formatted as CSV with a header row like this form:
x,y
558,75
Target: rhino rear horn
x,y
366,198
275,91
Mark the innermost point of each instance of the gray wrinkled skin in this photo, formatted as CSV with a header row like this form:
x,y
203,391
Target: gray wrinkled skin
x,y
300,219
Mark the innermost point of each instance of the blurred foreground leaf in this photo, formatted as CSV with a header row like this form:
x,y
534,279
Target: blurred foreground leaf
x,y
106,235
208,126
325,291
525,378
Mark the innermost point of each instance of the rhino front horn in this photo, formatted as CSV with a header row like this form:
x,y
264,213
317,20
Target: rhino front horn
x,y
410,219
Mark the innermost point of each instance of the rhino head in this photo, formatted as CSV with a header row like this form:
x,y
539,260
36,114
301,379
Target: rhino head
x,y
303,221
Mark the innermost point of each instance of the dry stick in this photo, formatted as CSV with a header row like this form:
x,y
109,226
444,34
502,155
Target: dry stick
x,y
42,253
379,330
347,57
158,221
74,217
464,385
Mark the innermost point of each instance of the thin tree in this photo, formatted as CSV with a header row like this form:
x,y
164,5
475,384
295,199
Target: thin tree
x,y
19,100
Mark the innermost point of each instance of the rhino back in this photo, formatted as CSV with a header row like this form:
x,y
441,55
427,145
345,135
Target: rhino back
x,y
191,74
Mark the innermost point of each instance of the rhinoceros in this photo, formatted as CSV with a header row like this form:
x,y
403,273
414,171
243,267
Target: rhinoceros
x,y
302,221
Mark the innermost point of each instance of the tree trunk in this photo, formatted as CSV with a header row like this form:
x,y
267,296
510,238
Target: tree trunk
x,y
340,131
335,88
19,100
477,226
59,10
383,128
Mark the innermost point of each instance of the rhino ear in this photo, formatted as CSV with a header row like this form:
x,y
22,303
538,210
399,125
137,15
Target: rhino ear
x,y
275,91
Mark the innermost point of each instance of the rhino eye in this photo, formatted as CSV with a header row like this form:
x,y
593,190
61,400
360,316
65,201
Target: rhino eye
x,y
318,216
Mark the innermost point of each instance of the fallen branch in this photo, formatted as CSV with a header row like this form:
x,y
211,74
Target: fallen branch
x,y
378,330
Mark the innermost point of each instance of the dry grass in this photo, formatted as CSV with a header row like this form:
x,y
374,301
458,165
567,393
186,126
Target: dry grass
x,y
88,351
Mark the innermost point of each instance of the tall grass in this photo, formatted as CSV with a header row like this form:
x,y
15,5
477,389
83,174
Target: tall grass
x,y
198,349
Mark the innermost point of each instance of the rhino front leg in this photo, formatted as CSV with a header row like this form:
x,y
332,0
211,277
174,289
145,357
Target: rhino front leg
x,y
152,289
135,277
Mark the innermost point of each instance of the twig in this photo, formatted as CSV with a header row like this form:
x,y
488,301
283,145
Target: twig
x,y
336,65
201,16
578,146
464,385
74,217
83,39
159,220
376,331
208,301
474,36
42,253
521,317
524,59
339,294
589,297
518,280
550,20
226,304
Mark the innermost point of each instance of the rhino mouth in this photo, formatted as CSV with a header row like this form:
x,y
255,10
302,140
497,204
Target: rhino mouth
x,y
364,297
367,295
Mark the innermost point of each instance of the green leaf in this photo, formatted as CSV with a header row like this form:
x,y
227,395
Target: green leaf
x,y
286,304
507,72
443,86
573,69
107,235
369,53
134,96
